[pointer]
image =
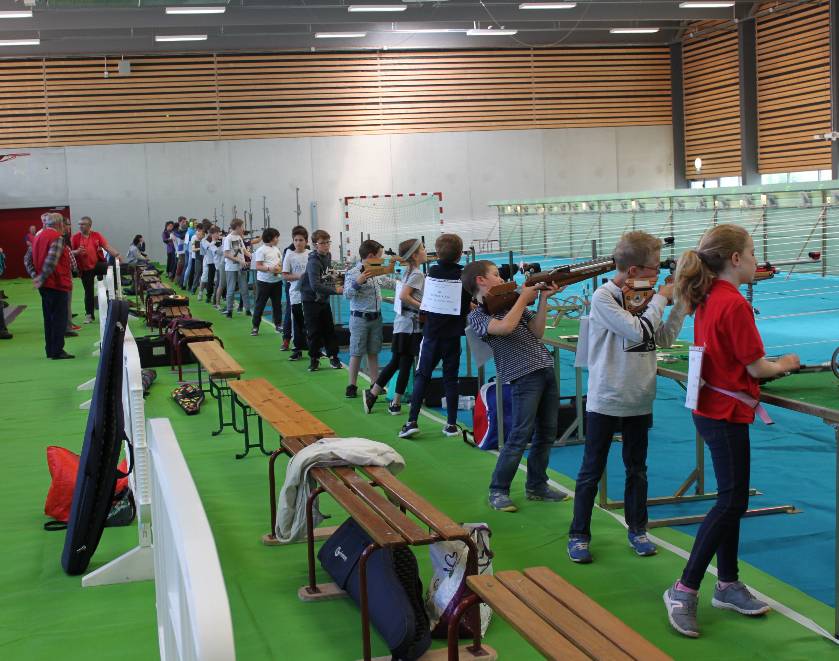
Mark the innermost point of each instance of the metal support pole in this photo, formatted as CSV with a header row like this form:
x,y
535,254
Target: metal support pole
x,y
678,113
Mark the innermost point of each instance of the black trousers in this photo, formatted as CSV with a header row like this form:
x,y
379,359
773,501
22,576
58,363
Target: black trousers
x,y
298,328
211,281
171,262
54,304
266,291
88,278
195,274
320,330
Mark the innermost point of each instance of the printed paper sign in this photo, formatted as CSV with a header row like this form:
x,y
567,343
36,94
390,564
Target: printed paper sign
x,y
694,377
441,296
397,298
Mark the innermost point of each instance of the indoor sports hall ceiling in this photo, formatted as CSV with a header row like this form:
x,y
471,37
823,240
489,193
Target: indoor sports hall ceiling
x,y
91,27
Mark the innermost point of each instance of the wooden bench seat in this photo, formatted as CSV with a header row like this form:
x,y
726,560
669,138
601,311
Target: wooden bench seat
x,y
188,336
559,620
381,505
221,368
258,397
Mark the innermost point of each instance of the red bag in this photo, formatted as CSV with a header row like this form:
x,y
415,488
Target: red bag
x,y
63,465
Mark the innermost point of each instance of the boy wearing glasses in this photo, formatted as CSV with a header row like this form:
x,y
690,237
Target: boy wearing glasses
x,y
621,388
315,291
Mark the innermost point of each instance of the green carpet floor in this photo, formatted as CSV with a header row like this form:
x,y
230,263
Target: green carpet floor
x,y
45,614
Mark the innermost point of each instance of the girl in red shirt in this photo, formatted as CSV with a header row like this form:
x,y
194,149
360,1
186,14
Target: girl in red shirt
x,y
707,282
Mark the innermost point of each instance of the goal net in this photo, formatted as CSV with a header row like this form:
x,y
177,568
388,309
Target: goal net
x,y
391,219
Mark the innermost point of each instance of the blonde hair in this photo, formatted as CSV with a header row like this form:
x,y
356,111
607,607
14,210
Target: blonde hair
x,y
697,269
634,249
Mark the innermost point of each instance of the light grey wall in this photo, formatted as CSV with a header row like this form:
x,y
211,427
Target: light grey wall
x,y
134,189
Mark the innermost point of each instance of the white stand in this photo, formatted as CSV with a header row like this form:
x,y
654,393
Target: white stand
x,y
85,406
136,565
87,385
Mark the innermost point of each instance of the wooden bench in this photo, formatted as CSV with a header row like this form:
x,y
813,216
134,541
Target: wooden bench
x,y
188,336
221,368
559,620
382,515
259,398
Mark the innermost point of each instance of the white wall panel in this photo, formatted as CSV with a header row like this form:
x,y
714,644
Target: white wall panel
x,y
645,158
580,161
131,189
37,180
108,183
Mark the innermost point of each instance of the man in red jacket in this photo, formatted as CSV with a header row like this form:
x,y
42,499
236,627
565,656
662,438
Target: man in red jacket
x,y
49,266
88,245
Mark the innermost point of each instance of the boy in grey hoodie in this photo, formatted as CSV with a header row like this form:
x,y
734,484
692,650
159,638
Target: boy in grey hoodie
x,y
622,368
315,291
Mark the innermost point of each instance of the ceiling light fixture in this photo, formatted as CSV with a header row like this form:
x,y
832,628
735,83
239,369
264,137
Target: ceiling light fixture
x,y
180,37
340,35
371,8
633,30
432,31
20,42
196,10
547,5
705,5
489,32
23,13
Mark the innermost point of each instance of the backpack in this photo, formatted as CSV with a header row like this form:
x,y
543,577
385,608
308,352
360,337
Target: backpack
x,y
484,415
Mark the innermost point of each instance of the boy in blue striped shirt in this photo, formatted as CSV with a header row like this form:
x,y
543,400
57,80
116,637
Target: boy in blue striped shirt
x,y
523,361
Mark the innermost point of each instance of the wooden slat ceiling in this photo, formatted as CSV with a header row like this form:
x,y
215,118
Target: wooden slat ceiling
x,y
793,71
168,98
712,100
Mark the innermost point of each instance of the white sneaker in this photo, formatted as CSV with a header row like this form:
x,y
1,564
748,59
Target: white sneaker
x,y
88,319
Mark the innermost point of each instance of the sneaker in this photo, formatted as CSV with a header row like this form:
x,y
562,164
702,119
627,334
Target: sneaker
x,y
578,550
641,543
247,313
254,331
296,355
368,400
501,502
351,392
314,365
452,430
278,329
285,346
736,597
409,429
71,333
548,493
335,363
394,409
681,611
74,327
88,319
63,356
229,314
5,335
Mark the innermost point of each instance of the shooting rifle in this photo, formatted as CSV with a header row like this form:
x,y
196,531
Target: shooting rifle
x,y
768,270
382,266
502,297
831,366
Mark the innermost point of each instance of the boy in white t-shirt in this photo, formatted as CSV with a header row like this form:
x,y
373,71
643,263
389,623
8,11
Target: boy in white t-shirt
x,y
294,267
221,280
236,265
269,282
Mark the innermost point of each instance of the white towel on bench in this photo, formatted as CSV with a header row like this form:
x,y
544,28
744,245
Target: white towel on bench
x,y
291,507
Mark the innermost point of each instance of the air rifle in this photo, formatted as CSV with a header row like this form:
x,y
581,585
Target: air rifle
x,y
383,266
502,297
768,270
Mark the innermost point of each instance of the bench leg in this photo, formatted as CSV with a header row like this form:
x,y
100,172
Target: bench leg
x,y
245,408
363,600
272,495
468,602
312,588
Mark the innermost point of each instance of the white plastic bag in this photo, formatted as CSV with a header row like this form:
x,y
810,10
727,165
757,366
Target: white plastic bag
x,y
448,583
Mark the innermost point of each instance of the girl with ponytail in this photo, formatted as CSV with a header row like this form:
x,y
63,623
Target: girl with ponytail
x,y
707,282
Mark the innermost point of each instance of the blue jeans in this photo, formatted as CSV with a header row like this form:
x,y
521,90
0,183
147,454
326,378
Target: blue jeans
x,y
600,430
432,351
535,411
720,531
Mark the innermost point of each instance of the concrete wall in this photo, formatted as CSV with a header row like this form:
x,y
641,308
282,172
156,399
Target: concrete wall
x,y
134,189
